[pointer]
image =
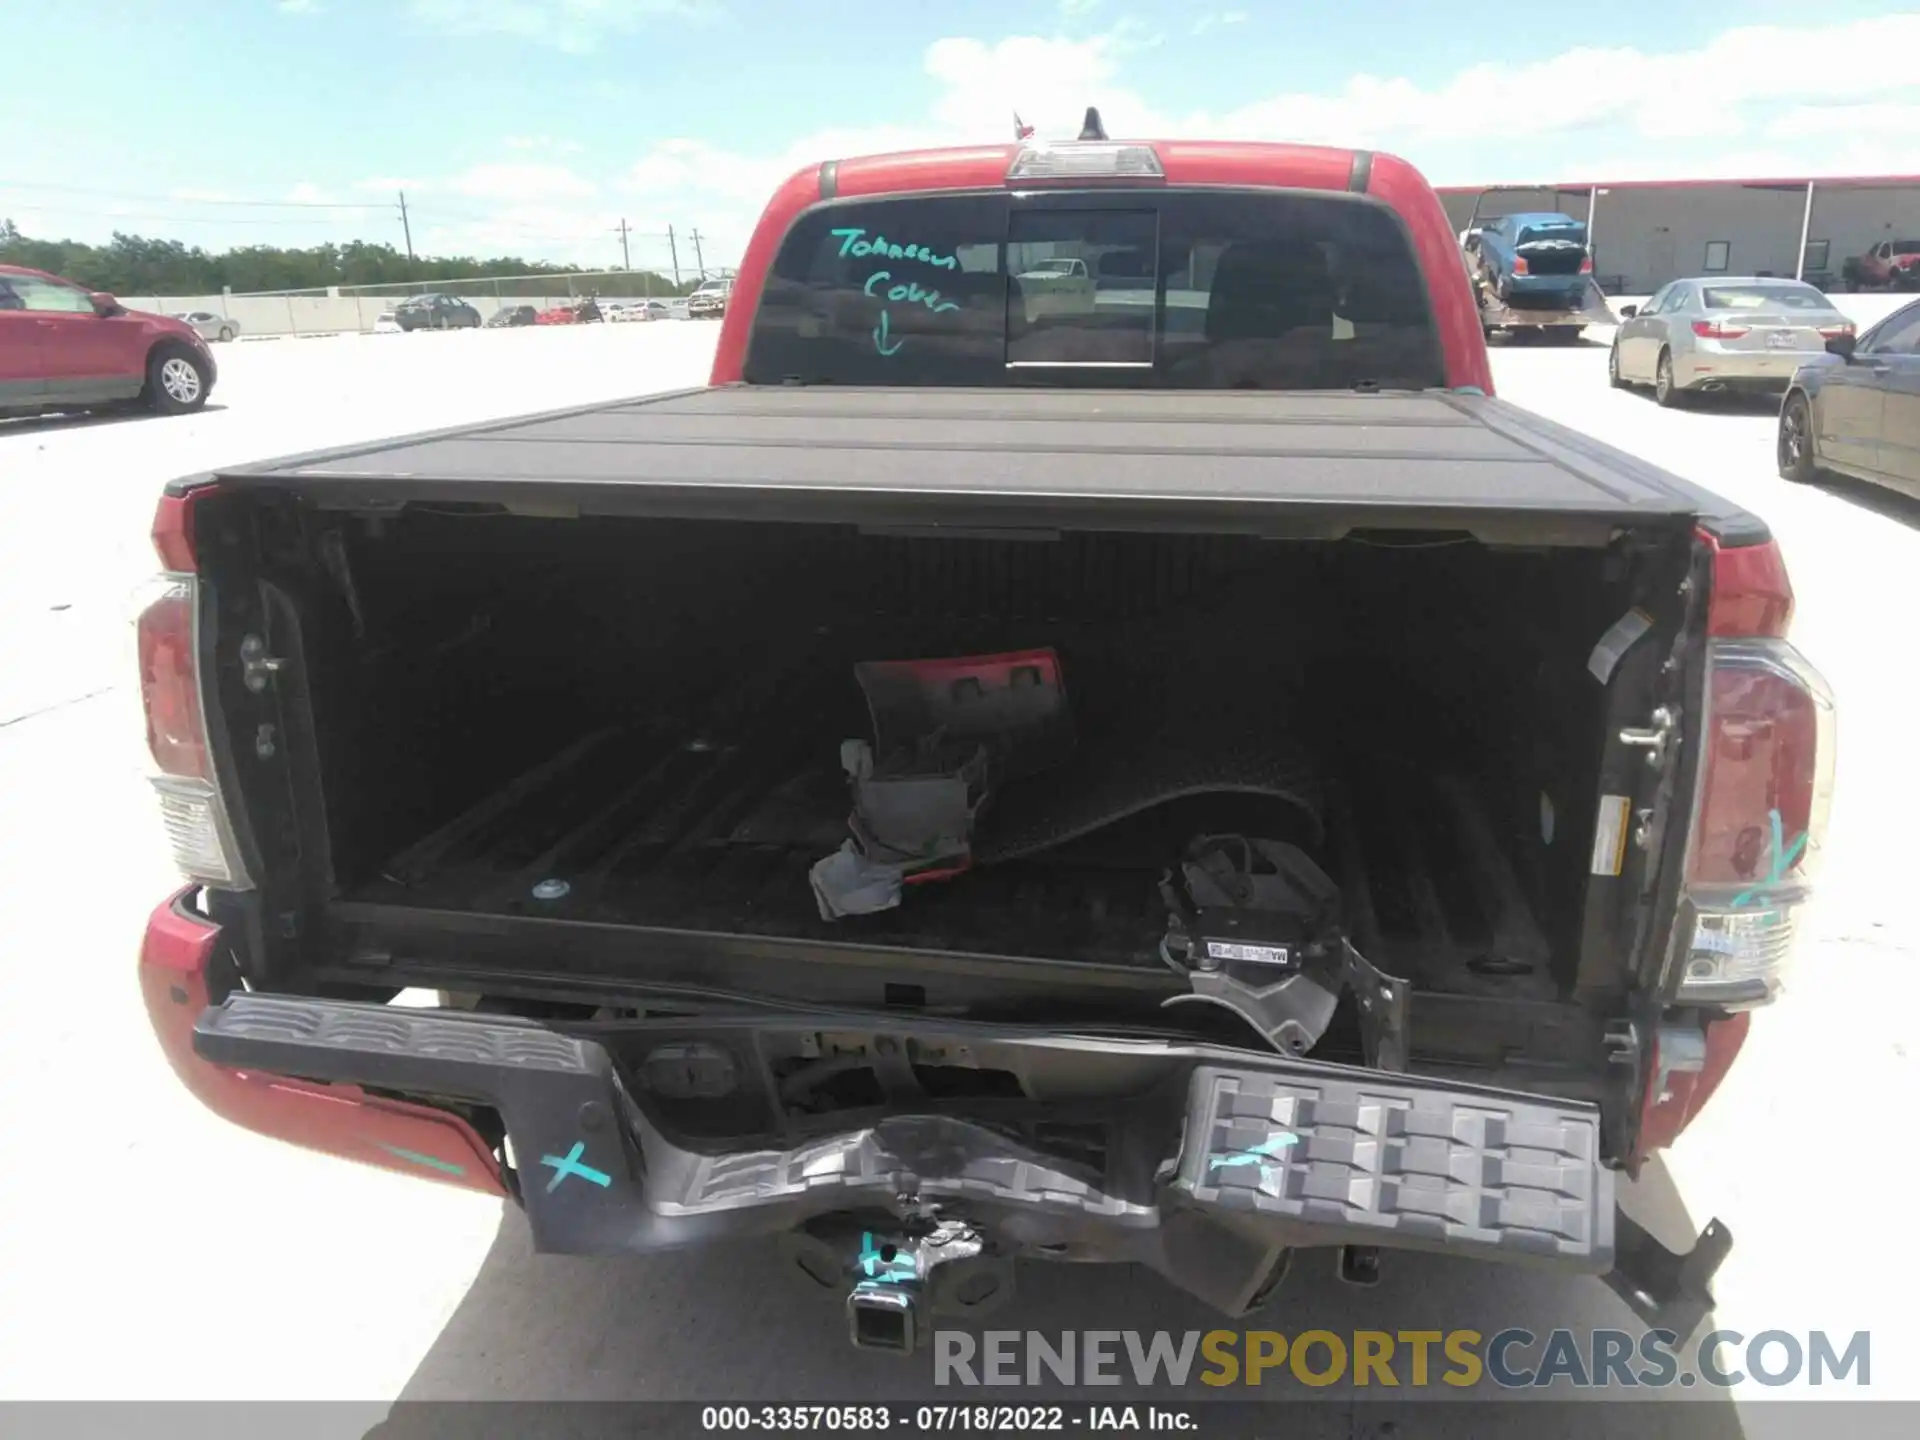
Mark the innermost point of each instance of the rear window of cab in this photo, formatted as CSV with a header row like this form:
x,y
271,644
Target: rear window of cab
x,y
1168,289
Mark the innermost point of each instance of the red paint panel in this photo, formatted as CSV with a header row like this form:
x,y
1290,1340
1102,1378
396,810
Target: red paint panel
x,y
340,1120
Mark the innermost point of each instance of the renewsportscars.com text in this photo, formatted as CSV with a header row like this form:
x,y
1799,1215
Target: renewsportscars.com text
x,y
1512,1359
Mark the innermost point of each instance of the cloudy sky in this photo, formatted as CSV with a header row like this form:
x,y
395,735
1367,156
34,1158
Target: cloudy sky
x,y
536,127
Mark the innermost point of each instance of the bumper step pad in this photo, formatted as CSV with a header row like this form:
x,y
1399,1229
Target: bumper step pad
x,y
1378,1161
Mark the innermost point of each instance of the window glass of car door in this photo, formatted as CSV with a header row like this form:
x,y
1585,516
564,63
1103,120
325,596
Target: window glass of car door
x,y
46,296
1899,335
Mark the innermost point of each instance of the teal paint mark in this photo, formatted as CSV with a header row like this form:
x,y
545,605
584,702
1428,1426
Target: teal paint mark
x,y
880,336
432,1162
877,1267
1782,859
881,248
911,294
1265,1153
569,1164
874,279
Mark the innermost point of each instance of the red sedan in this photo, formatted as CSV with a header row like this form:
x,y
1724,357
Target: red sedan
x,y
63,347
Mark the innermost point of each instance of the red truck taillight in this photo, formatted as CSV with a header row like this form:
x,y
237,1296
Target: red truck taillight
x,y
1586,265
1520,265
1763,791
190,801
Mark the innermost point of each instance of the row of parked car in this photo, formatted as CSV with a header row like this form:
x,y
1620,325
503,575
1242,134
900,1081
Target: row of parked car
x,y
1850,400
450,312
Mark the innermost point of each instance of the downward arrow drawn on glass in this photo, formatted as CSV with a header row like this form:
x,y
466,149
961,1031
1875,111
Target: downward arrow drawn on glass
x,y
880,334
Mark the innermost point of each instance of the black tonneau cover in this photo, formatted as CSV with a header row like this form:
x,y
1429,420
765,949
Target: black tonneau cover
x,y
1242,460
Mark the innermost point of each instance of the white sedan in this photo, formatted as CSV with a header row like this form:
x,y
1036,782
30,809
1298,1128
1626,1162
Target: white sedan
x,y
209,325
632,310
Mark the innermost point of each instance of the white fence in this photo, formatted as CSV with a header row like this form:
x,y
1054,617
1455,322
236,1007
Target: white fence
x,y
325,315
314,314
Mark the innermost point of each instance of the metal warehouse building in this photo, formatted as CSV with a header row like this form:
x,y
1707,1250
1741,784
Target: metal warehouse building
x,y
1647,232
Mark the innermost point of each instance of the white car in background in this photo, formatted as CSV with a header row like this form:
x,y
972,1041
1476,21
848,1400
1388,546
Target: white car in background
x,y
634,310
208,325
385,324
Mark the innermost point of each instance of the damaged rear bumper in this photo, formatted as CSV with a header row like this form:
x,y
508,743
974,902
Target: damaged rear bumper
x,y
1241,1160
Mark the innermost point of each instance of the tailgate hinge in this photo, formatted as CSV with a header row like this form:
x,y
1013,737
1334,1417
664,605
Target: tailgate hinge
x,y
1655,738
257,667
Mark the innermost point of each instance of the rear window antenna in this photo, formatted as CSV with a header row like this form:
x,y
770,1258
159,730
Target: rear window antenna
x,y
1091,128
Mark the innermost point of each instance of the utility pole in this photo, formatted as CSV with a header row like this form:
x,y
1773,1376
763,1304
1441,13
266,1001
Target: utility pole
x,y
698,258
405,227
626,260
673,249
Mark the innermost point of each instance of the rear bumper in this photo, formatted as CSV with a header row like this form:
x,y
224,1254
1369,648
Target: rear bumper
x,y
1760,369
1215,1168
1544,290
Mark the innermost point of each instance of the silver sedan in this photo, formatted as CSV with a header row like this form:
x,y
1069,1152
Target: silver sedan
x,y
1722,333
210,325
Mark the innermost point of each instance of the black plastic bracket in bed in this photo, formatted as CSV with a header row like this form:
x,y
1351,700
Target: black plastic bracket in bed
x,y
1251,925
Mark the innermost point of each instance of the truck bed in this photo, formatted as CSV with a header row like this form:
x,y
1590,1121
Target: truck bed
x,y
1295,463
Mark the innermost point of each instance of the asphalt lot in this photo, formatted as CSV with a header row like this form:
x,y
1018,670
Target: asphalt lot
x,y
151,1251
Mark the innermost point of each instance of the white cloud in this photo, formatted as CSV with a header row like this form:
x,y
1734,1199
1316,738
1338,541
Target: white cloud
x,y
576,26
1658,95
518,182
308,193
1885,119
1592,113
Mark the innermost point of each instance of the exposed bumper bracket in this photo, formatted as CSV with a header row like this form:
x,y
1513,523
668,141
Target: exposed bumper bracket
x,y
1666,1289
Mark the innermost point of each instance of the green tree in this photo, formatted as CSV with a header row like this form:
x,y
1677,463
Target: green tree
x,y
140,265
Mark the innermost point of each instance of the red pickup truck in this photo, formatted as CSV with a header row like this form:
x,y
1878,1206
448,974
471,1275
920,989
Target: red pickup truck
x,y
1890,265
1178,778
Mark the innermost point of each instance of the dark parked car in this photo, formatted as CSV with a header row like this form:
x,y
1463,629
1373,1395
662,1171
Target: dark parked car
x,y
63,347
436,312
1856,409
510,315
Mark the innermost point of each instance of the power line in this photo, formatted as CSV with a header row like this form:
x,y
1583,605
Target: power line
x,y
184,199
148,215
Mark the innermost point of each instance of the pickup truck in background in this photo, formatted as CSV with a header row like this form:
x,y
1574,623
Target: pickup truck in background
x,y
1181,782
1890,265
709,299
1533,274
